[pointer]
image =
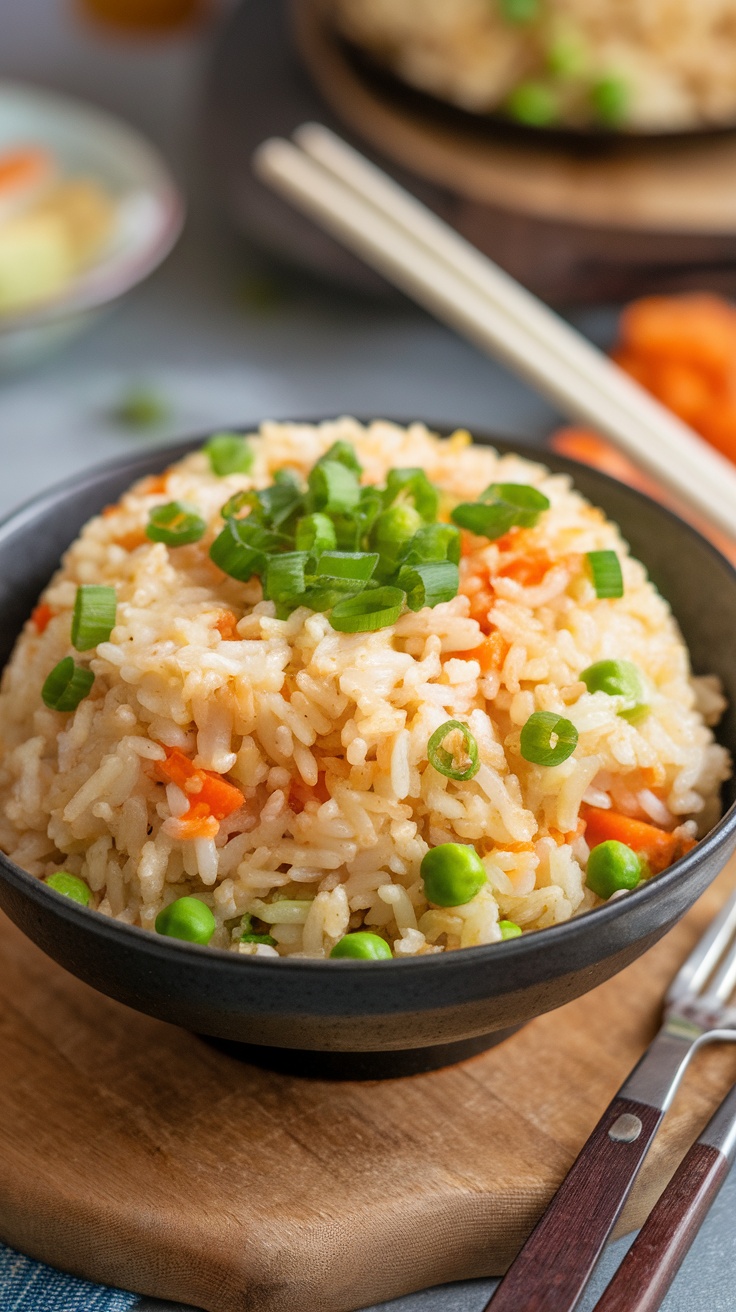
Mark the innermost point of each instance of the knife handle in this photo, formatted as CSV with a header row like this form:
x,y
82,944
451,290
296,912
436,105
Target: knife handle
x,y
556,1262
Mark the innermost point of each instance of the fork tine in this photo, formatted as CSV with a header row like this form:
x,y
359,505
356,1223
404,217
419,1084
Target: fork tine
x,y
724,981
705,956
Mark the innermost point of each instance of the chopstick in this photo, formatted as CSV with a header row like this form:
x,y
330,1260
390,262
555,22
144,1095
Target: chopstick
x,y
651,1264
416,250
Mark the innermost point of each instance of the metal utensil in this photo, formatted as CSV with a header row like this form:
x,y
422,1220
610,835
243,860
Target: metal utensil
x,y
555,1264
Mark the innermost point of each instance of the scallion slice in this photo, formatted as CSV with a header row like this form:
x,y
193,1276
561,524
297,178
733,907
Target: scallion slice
x,y
176,524
238,551
430,584
94,616
315,534
548,739
325,593
432,542
284,578
347,564
605,569
345,455
446,762
229,453
501,507
334,488
368,611
414,485
66,686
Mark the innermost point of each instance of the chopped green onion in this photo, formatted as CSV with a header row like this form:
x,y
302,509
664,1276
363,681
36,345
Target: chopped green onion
x,y
605,568
391,530
334,488
66,686
94,616
284,911
229,453
520,11
315,534
432,542
176,524
368,611
548,739
413,484
284,579
238,551
268,939
325,593
445,762
271,507
344,453
619,679
501,507
430,584
347,564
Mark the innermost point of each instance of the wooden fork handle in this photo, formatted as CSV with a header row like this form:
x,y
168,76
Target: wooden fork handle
x,y
655,1257
555,1264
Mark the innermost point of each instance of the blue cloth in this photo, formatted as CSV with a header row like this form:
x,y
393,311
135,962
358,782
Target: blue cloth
x,y
27,1286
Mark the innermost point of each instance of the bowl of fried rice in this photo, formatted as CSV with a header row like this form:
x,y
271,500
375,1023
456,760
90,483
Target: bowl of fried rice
x,y
357,745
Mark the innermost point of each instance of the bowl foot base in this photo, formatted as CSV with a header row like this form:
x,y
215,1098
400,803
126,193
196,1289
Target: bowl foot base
x,y
384,1065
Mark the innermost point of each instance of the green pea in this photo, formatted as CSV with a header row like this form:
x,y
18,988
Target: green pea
x,y
610,99
619,679
509,929
452,874
612,866
533,103
70,886
362,946
187,918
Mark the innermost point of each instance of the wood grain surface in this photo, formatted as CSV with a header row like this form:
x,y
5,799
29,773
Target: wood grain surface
x,y
139,1155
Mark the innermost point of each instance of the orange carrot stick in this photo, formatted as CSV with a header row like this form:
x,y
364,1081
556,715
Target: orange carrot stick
x,y
202,787
656,846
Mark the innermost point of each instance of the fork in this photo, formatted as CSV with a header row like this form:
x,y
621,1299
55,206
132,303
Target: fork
x,y
557,1260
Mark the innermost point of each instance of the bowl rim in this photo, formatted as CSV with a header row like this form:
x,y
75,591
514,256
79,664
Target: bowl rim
x,y
102,284
219,959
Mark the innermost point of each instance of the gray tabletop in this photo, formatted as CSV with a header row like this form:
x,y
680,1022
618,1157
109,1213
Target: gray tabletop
x,y
220,345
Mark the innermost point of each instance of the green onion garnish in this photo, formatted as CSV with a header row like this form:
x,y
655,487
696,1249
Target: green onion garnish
x,y
414,485
548,738
432,542
94,616
345,455
520,11
367,611
430,584
605,569
446,762
284,579
347,564
619,679
334,488
229,453
176,524
501,507
66,686
392,529
268,939
315,533
240,550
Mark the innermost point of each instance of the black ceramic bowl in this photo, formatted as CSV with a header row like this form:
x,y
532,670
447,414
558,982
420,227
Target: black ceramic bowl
x,y
393,1017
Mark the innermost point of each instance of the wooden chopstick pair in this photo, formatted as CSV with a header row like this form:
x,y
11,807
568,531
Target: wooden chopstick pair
x,y
391,230
656,1255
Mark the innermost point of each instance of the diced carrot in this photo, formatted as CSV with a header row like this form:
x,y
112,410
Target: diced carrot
x,y
41,616
658,847
226,626
156,485
509,540
301,793
23,170
528,570
131,541
198,822
203,787
492,654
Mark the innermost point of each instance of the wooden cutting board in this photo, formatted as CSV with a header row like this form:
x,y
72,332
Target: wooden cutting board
x,y
138,1155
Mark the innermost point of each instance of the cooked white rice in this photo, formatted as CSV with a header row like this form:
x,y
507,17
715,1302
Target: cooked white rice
x,y
326,733
675,59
